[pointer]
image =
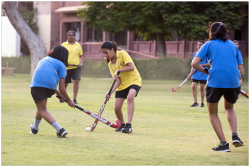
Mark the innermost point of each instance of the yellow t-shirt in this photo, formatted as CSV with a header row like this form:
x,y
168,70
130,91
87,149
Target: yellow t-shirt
x,y
127,78
75,51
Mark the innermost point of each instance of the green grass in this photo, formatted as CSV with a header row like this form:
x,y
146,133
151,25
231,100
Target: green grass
x,y
166,130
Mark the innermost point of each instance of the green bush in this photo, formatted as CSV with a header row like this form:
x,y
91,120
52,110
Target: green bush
x,y
162,69
22,64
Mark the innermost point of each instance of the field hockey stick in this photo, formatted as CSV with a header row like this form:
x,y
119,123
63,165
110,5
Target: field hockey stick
x,y
244,93
97,117
103,106
75,65
183,82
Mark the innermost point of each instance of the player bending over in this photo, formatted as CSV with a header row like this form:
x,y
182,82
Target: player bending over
x,y
50,70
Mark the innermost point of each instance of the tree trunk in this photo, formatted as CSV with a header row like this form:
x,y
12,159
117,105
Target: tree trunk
x,y
161,45
34,43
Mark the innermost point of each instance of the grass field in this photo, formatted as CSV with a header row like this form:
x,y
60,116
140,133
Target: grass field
x,y
166,130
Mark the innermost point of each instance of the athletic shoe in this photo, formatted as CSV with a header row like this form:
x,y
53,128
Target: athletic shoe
x,y
221,148
127,129
237,142
32,130
195,105
120,128
75,101
202,105
62,133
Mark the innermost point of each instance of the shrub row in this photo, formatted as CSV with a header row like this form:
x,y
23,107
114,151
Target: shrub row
x,y
166,68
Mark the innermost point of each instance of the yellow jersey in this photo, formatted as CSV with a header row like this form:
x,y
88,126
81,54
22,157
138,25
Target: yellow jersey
x,y
75,51
127,78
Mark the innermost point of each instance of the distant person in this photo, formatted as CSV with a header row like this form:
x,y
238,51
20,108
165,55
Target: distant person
x,y
199,77
238,46
50,70
75,63
128,82
223,80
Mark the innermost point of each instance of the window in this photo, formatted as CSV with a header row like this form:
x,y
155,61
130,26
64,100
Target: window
x,y
94,35
75,26
237,35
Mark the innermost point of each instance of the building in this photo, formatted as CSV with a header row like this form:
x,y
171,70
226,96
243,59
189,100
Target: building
x,y
55,18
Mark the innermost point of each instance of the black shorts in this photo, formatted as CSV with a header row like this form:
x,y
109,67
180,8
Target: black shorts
x,y
40,93
213,95
75,74
201,81
124,93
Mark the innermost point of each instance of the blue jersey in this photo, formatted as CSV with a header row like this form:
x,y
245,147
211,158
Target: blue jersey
x,y
48,73
200,75
224,58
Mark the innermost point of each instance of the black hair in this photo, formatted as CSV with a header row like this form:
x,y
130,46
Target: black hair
x,y
218,31
201,41
236,41
71,31
61,53
109,45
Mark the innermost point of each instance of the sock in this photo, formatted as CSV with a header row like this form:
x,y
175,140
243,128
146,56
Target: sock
x,y
234,134
223,143
56,126
36,123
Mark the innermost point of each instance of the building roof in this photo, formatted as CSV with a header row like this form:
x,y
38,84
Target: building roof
x,y
70,9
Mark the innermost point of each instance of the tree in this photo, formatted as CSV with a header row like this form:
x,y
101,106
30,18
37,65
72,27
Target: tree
x,y
159,20
30,19
35,43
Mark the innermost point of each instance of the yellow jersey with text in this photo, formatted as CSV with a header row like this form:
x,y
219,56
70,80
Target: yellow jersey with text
x,y
127,78
75,51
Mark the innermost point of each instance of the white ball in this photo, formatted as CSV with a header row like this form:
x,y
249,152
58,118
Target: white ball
x,y
88,129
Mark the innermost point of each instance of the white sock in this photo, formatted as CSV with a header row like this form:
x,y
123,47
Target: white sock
x,y
36,123
56,126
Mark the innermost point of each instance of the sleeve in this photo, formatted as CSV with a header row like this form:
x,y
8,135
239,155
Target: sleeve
x,y
203,52
194,55
80,51
239,57
126,58
62,71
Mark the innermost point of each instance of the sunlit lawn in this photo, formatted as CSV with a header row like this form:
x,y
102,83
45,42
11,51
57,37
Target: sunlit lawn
x,y
166,130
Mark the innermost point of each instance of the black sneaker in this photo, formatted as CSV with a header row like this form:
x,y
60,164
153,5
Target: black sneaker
x,y
120,128
75,101
127,129
32,130
202,105
221,148
237,142
62,133
195,105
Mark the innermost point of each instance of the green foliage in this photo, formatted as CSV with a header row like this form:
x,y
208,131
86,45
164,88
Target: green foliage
x,y
30,18
21,64
161,69
187,19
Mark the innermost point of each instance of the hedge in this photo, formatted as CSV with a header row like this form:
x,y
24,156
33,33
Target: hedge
x,y
162,69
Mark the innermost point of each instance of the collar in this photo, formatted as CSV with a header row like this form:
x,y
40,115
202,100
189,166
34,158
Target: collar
x,y
67,42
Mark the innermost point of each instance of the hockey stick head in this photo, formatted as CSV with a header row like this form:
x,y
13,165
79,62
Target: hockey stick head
x,y
173,90
118,124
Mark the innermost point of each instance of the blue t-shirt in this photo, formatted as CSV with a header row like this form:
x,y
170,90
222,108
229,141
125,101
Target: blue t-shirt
x,y
48,73
200,75
224,58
